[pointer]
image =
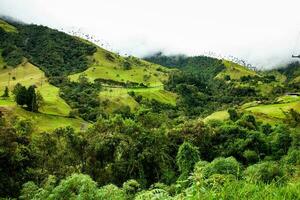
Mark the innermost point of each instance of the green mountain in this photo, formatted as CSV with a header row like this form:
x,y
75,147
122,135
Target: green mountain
x,y
46,58
269,95
80,122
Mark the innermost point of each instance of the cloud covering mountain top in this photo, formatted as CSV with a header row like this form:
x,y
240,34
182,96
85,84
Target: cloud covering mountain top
x,y
265,33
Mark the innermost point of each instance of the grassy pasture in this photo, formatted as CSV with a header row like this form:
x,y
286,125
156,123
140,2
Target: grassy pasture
x,y
275,110
271,113
118,97
219,115
141,72
235,71
53,103
28,74
52,113
41,121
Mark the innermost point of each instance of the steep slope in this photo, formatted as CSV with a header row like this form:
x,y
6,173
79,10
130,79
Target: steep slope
x,y
49,56
7,27
28,74
235,71
117,98
54,110
121,75
291,71
109,66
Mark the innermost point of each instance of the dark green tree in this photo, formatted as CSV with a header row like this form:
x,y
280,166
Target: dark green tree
x,y
186,158
31,99
21,95
16,89
233,115
6,92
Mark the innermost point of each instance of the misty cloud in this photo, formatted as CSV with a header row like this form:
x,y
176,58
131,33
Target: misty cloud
x,y
265,33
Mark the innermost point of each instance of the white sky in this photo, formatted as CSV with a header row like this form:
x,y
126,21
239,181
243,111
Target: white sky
x,y
264,32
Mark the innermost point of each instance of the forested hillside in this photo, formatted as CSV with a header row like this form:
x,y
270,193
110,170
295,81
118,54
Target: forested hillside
x,y
80,122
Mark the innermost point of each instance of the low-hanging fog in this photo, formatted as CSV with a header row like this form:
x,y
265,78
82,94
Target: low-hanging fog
x,y
264,33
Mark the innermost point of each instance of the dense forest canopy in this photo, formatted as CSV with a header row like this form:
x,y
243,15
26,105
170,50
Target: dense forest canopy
x,y
158,150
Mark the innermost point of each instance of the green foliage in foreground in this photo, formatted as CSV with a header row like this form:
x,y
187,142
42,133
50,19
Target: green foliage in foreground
x,y
219,185
150,156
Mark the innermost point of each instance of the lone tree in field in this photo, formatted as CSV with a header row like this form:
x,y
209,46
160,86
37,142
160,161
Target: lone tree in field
x,y
6,92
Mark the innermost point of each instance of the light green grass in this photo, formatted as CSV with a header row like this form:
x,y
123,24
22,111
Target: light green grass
x,y
157,93
7,27
54,108
296,80
28,74
250,104
235,71
102,68
46,122
219,115
265,89
275,110
53,103
118,97
288,99
41,121
140,71
268,113
7,102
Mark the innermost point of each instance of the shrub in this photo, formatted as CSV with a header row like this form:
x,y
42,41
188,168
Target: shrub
x,y
218,180
186,158
77,185
250,156
131,187
233,115
153,194
265,172
6,92
222,166
227,77
248,121
110,192
127,65
292,158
